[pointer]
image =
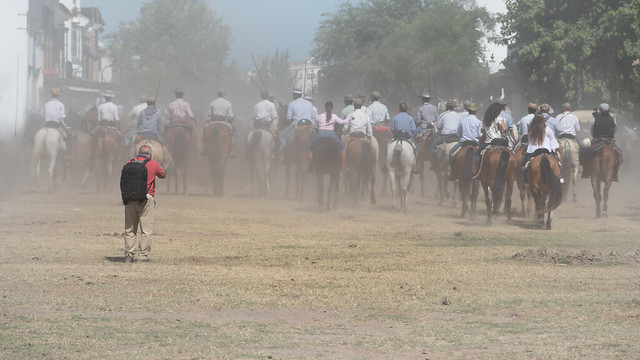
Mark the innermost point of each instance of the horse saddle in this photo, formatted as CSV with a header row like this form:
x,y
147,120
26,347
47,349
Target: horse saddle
x,y
401,135
104,128
536,153
380,128
211,122
304,123
172,125
425,133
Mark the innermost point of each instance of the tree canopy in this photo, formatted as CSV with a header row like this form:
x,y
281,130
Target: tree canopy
x,y
575,50
393,45
181,41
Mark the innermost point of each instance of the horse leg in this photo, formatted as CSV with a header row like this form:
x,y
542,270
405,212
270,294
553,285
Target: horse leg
x,y
507,198
51,172
373,183
335,186
487,202
475,190
394,185
385,180
595,185
548,227
320,190
422,183
286,180
605,198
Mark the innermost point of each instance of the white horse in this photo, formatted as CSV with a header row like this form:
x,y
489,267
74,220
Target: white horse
x,y
400,160
260,148
48,144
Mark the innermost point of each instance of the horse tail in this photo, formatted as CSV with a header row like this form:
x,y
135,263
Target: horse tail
x,y
254,142
367,157
555,188
397,154
501,177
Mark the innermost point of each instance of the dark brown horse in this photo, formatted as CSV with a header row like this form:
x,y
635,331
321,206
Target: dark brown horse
x,y
424,154
216,141
180,143
601,165
463,168
497,172
519,153
361,168
105,149
543,175
297,153
327,160
383,135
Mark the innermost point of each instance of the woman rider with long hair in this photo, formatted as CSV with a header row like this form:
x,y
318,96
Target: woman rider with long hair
x,y
325,123
542,140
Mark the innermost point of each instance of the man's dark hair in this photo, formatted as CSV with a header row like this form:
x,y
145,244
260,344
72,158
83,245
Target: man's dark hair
x,y
403,107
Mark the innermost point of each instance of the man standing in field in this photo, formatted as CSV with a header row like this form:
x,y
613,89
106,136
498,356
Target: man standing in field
x,y
142,213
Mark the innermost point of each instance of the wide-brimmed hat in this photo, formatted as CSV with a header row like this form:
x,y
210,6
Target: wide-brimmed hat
x,y
604,107
297,91
546,108
566,106
473,106
451,103
532,105
108,94
348,97
56,92
375,94
151,99
425,96
179,91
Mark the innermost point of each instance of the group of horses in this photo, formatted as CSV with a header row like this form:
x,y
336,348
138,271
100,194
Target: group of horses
x,y
101,149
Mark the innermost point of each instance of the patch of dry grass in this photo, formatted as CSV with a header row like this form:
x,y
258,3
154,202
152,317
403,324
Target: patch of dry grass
x,y
238,277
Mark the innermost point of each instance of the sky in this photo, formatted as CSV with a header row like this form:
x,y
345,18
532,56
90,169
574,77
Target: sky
x,y
261,26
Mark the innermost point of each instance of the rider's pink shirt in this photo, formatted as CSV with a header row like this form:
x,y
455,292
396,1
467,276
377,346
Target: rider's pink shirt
x,y
321,120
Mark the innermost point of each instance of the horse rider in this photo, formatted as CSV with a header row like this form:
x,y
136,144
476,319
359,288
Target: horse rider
x,y
568,128
348,106
604,128
469,130
108,112
299,109
54,114
377,111
265,115
220,109
325,124
149,122
541,140
180,110
403,126
508,122
359,122
494,131
133,116
550,121
447,125
523,124
309,98
427,114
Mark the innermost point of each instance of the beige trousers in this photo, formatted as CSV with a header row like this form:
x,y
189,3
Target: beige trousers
x,y
144,216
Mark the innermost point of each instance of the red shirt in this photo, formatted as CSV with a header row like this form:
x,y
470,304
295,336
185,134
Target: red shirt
x,y
153,169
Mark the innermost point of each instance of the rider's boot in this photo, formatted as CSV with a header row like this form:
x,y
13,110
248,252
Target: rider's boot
x,y
309,168
344,159
614,177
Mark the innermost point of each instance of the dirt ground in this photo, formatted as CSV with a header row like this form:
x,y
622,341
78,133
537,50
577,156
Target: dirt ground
x,y
240,277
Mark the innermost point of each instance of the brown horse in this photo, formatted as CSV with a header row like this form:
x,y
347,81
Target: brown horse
x,y
497,172
383,136
327,160
216,140
424,154
296,152
442,169
180,142
105,148
519,153
601,165
463,167
361,168
543,174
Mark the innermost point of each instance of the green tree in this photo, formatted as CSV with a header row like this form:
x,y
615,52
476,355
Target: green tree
x,y
182,42
576,50
276,75
393,45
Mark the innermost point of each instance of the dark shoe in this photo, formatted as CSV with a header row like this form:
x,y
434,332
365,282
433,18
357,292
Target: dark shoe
x,y
142,260
128,259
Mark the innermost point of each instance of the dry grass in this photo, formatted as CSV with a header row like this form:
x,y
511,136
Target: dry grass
x,y
238,277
